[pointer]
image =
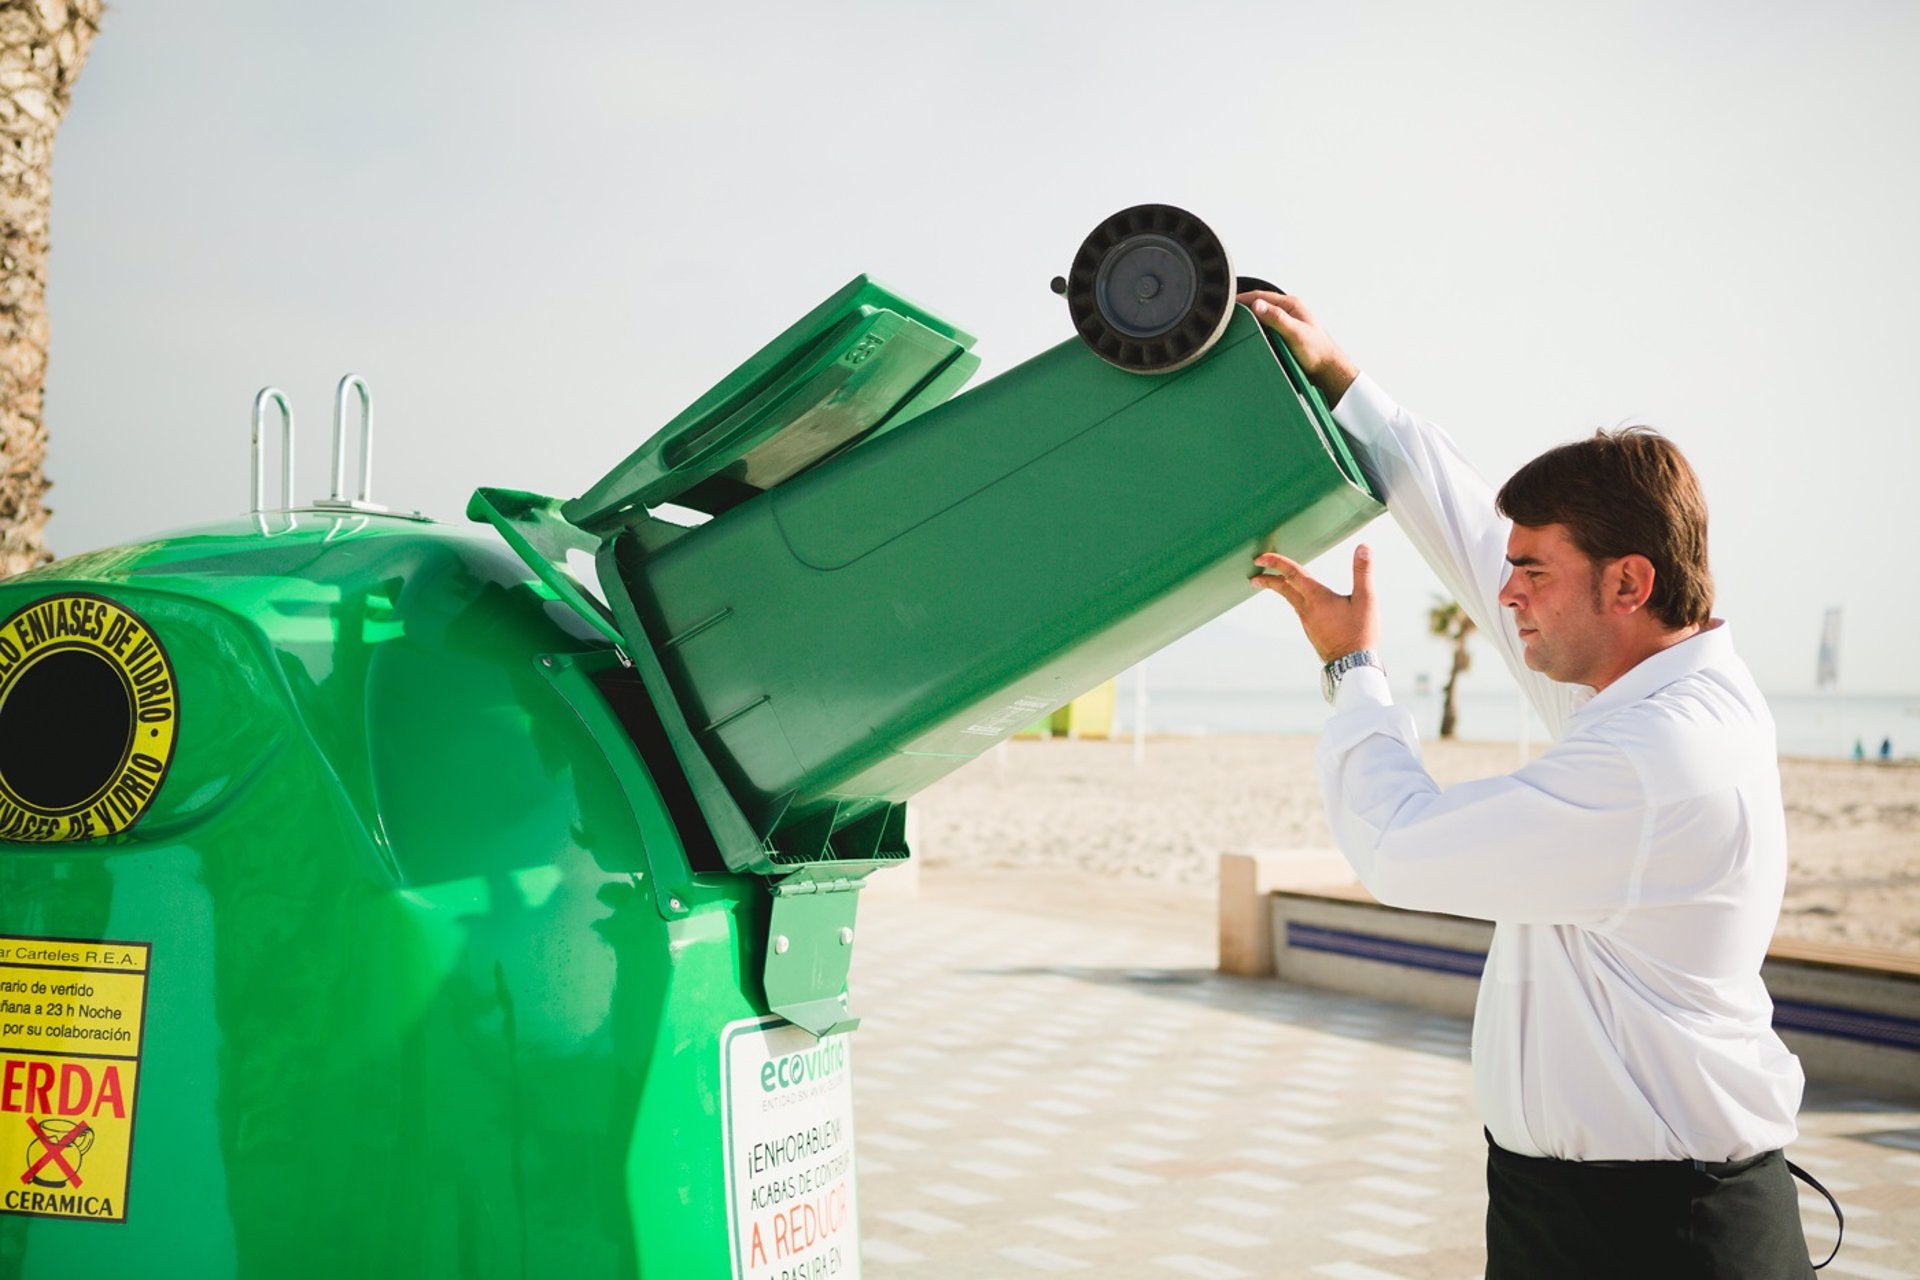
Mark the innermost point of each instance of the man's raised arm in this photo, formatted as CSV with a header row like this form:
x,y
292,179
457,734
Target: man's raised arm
x,y
1442,503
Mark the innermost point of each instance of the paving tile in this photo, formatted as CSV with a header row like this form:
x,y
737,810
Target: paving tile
x,y
1071,1228
1375,1242
1812,1202
1236,1207
1402,1164
913,1220
884,1141
1822,1235
1413,1141
1242,1051
1141,1151
1398,1187
1392,1215
1433,1086
991,1170
876,1250
1165,1132
1226,1237
1290,1138
1353,1271
1324,1096
1257,1181
1847,1265
1036,1259
1279,1159
1098,1201
1187,1264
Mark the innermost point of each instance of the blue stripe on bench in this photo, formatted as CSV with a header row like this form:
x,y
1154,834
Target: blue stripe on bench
x,y
1848,1024
1417,955
1788,1015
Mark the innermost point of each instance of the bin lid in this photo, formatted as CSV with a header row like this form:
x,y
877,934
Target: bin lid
x,y
863,361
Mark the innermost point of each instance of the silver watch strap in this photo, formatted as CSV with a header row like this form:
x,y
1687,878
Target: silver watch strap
x,y
1331,674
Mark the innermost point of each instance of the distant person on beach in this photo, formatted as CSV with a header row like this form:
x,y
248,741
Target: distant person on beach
x,y
1635,1096
1886,751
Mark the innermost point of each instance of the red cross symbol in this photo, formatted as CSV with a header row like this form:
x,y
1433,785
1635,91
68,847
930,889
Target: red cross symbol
x,y
55,1152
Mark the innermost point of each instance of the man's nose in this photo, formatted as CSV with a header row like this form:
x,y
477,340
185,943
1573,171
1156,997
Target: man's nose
x,y
1510,591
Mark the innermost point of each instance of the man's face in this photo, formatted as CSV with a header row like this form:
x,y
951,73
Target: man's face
x,y
1554,592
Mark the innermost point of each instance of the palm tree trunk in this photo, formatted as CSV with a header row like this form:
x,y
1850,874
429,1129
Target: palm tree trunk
x,y
42,46
1449,718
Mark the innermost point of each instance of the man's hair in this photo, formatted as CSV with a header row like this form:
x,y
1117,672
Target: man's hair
x,y
1620,493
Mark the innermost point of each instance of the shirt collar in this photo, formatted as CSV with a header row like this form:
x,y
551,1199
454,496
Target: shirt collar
x,y
1708,648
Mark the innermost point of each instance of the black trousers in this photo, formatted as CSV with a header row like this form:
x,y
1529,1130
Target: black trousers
x,y
1642,1220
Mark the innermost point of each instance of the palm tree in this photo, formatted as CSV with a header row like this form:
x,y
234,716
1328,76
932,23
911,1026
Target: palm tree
x,y
1449,621
42,45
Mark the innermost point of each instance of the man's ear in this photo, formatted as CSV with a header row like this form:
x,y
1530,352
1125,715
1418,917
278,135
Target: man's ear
x,y
1632,583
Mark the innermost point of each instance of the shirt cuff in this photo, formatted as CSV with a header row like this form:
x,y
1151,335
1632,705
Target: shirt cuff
x,y
1365,410
1362,687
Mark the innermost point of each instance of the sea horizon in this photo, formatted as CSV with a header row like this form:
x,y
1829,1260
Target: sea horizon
x,y
1810,725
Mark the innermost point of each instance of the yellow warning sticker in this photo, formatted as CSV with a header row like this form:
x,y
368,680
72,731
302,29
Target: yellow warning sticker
x,y
88,715
72,1017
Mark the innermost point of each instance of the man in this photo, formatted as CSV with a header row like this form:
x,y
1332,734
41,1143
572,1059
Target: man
x,y
1634,1093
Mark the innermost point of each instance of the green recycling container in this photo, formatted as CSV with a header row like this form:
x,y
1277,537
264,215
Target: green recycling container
x,y
384,898
375,951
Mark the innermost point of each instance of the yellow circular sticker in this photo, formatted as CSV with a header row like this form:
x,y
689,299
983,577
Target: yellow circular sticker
x,y
88,714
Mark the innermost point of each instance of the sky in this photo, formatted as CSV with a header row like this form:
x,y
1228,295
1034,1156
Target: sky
x,y
539,231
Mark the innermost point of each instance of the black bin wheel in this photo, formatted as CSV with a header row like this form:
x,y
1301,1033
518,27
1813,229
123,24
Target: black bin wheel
x,y
1151,289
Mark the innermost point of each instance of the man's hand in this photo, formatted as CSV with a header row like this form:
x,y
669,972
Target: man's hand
x,y
1336,625
1324,363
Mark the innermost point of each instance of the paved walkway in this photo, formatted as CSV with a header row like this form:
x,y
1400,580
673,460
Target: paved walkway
x,y
1058,1085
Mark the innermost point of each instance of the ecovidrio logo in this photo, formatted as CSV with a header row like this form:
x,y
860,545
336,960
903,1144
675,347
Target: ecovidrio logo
x,y
825,1060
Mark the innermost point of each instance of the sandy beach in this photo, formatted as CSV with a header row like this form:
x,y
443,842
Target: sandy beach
x,y
1085,808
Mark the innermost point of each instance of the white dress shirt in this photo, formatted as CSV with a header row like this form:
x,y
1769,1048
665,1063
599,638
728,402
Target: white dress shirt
x,y
1634,871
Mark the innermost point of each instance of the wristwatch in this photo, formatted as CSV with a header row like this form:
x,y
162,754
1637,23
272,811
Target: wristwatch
x,y
1331,673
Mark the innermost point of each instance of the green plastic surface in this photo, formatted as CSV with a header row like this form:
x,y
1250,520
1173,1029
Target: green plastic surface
x,y
810,952
546,543
863,361
850,636
421,1002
